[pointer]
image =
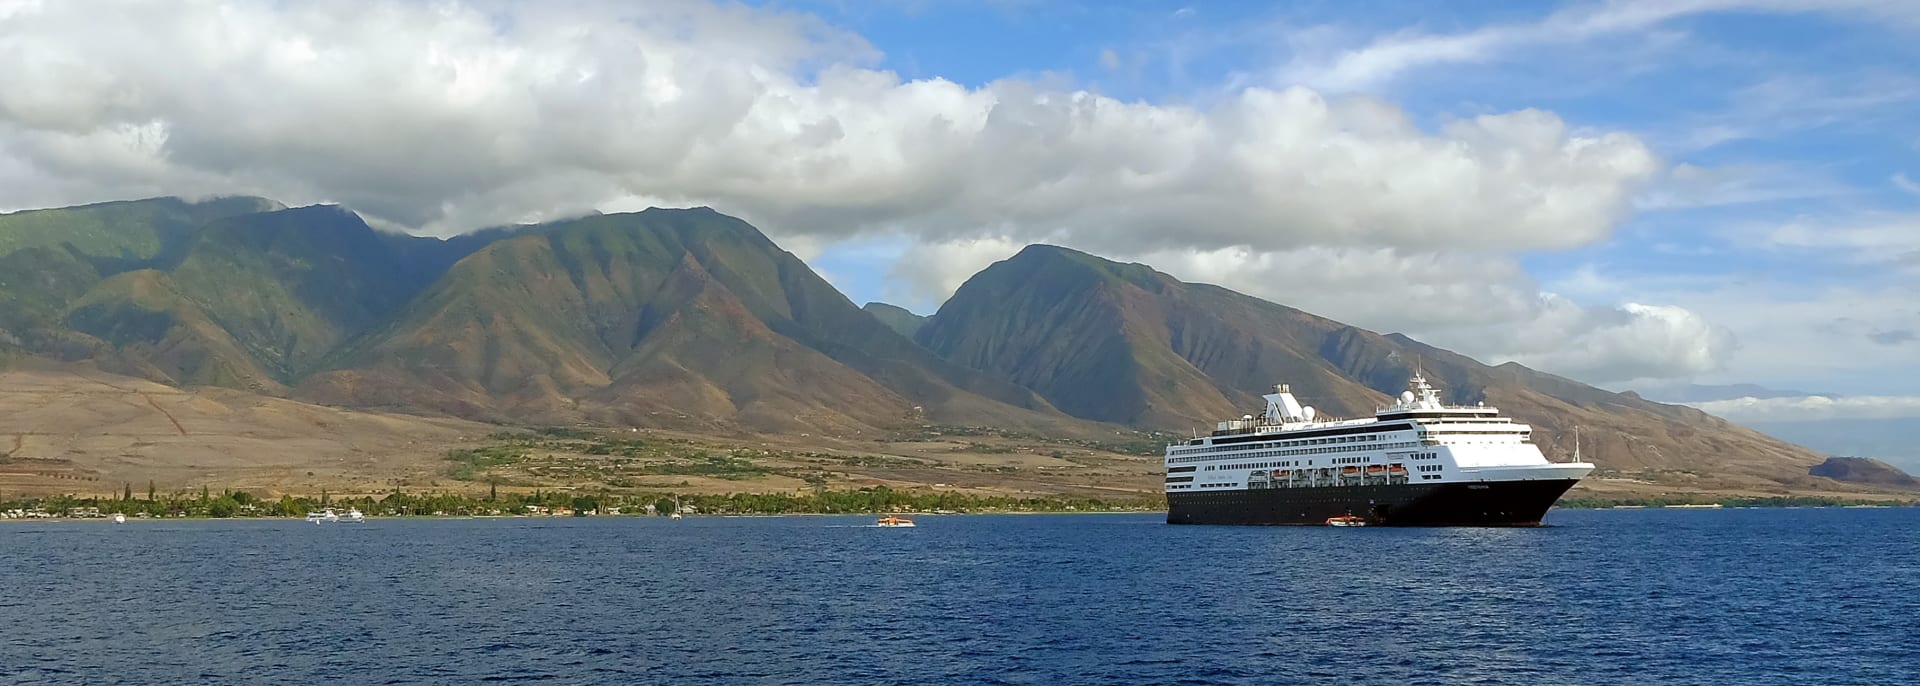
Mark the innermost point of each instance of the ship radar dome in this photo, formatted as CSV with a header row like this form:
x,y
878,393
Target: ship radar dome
x,y
1406,396
1307,413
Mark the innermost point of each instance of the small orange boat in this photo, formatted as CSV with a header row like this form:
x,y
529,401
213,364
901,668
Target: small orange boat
x,y
894,521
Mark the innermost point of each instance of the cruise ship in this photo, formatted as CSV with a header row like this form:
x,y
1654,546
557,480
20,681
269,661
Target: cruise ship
x,y
1417,462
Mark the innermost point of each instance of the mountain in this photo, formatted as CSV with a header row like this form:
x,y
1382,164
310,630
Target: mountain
x,y
664,316
895,317
51,258
1126,344
1864,470
1894,439
690,318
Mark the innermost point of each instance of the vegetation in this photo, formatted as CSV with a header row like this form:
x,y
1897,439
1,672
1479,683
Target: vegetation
x,y
401,504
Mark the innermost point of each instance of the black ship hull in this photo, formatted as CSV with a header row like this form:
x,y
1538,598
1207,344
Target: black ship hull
x,y
1480,503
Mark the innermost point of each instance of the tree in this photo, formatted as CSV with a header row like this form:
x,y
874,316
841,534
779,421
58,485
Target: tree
x,y
493,491
203,493
128,493
223,507
149,490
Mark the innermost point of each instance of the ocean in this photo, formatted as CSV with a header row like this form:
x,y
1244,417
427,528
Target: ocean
x,y
1800,596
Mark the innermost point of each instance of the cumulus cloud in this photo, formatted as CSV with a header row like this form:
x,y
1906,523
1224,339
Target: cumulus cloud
x,y
1481,305
1814,408
451,115
442,117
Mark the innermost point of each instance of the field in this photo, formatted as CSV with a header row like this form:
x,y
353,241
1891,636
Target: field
x,y
84,432
72,430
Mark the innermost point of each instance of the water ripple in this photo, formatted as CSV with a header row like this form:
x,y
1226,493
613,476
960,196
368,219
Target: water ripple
x,y
1645,596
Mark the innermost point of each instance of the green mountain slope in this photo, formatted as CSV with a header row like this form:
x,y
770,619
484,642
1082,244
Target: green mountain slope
x,y
895,317
664,316
292,286
158,333
49,258
1124,343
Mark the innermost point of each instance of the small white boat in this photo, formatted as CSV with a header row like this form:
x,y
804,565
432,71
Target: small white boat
x,y
327,515
893,522
354,515
1346,520
119,518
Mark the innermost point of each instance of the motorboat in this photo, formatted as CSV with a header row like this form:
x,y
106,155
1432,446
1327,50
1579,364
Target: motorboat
x,y
1346,520
894,521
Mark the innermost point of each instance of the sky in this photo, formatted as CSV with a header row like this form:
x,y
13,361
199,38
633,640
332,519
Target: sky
x,y
1638,195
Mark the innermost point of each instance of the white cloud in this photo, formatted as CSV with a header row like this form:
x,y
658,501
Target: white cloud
x,y
927,273
1871,239
1391,56
447,116
1485,307
1901,182
1814,408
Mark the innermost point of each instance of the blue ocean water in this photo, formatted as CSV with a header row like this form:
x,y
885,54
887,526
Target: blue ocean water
x,y
1818,596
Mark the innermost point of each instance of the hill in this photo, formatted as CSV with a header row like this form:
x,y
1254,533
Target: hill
x,y
1126,344
898,318
1862,470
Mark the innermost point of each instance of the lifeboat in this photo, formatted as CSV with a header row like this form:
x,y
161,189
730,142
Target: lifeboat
x,y
1375,469
1349,470
1346,520
1282,474
1397,469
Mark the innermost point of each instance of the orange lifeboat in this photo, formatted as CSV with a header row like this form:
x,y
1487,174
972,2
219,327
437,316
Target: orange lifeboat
x,y
1397,469
1349,470
1375,469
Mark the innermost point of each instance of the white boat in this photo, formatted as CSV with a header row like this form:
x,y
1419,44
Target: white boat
x,y
1416,462
354,515
893,521
327,515
119,518
1347,520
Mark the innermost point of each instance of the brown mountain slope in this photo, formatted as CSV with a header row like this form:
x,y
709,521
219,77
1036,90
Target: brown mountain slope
x,y
1124,343
664,317
65,428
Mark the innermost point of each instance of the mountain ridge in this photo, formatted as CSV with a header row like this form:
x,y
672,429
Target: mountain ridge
x,y
690,318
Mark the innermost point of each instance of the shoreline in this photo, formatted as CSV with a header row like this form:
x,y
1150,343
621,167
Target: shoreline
x,y
1589,508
